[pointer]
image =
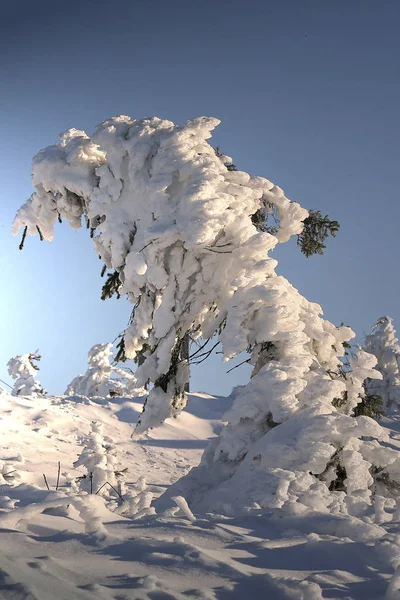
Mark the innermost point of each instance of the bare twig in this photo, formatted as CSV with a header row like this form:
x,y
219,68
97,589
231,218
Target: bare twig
x,y
45,480
220,246
201,348
216,251
100,488
204,354
141,250
7,384
23,237
239,365
115,490
9,474
111,486
40,233
58,475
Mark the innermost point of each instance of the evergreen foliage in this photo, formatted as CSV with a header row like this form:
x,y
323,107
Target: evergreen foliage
x,y
111,286
315,231
371,405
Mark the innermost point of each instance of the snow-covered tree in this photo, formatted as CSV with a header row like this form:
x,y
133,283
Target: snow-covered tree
x,y
103,378
23,369
383,344
176,224
99,460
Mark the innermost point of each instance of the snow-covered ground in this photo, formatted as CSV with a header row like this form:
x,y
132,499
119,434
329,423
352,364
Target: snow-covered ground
x,y
46,552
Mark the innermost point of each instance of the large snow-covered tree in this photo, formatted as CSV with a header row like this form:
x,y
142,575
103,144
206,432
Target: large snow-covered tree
x,y
176,225
383,344
23,369
103,378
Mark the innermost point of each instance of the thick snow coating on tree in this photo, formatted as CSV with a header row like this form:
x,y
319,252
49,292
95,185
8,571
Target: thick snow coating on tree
x,y
102,378
175,224
22,369
383,344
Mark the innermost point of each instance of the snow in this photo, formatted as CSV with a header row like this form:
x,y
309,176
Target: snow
x,y
70,545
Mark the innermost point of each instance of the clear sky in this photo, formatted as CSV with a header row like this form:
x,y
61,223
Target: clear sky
x,y
308,92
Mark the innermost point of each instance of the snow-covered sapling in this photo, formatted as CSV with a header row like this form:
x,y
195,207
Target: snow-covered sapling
x,y
99,460
23,370
383,344
103,378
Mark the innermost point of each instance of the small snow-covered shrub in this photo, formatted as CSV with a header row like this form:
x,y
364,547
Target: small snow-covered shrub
x,y
23,369
137,499
99,460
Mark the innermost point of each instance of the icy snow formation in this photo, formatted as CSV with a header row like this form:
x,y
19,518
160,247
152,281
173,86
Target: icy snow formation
x,y
175,224
383,344
102,378
22,369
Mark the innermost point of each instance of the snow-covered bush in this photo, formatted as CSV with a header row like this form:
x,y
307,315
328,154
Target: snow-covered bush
x,y
137,499
23,369
176,224
99,460
383,344
102,378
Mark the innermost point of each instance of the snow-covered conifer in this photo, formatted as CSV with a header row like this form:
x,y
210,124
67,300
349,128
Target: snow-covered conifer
x,y
23,369
383,344
102,378
100,463
176,224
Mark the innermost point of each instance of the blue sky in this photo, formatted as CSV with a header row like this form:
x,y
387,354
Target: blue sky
x,y
308,93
